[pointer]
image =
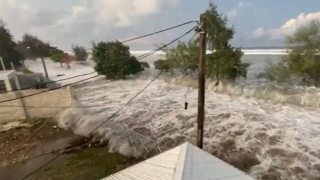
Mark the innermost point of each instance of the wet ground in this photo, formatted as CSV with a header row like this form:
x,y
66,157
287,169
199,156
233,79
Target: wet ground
x,y
25,149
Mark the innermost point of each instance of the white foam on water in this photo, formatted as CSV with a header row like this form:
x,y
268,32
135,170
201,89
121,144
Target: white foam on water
x,y
284,137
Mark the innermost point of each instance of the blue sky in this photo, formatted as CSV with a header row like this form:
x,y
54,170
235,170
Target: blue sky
x,y
62,23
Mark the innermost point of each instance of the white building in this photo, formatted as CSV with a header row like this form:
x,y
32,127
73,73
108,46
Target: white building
x,y
5,77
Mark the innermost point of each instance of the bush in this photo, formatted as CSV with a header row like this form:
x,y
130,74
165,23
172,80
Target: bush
x,y
26,71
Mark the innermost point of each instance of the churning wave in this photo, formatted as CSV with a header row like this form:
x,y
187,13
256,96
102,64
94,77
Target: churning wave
x,y
275,140
295,95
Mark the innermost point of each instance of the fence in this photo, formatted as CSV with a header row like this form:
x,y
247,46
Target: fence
x,y
56,98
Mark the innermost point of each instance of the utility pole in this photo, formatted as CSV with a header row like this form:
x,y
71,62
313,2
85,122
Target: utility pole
x,y
40,49
42,59
44,66
201,80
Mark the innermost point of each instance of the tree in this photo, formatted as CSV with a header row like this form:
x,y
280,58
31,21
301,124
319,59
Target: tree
x,y
302,64
225,61
113,59
183,57
162,64
34,48
62,58
8,49
57,58
144,65
80,52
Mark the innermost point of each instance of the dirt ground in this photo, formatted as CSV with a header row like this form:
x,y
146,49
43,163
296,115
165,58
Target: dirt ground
x,y
25,149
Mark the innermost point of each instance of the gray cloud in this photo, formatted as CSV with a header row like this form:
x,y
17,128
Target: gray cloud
x,y
81,21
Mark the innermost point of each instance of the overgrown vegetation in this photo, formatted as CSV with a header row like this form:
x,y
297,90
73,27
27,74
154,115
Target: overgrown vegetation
x,y
113,59
61,58
223,63
26,71
80,52
162,64
32,47
8,48
302,65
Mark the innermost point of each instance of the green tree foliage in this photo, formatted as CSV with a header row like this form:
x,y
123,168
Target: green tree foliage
x,y
113,59
58,58
33,47
80,52
183,57
8,48
162,64
26,71
225,61
145,65
302,65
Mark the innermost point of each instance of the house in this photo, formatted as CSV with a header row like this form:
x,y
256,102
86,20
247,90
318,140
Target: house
x,y
184,162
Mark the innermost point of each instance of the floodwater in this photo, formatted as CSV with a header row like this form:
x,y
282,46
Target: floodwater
x,y
278,126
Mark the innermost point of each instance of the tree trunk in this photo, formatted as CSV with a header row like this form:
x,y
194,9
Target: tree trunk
x,y
61,65
68,65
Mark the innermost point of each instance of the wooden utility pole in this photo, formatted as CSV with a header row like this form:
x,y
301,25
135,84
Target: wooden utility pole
x,y
202,79
44,66
20,96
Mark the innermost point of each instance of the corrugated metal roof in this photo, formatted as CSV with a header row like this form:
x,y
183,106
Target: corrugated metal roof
x,y
158,167
185,162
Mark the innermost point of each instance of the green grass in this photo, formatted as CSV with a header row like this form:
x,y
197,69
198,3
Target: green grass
x,y
90,163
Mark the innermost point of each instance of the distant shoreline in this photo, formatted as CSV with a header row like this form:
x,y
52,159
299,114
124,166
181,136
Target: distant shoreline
x,y
245,51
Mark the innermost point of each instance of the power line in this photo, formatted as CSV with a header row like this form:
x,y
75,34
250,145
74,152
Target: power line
x,y
173,27
128,40
113,113
164,46
123,63
139,58
58,155
126,103
53,107
53,81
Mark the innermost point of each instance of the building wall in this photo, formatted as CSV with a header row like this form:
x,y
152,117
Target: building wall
x,y
30,80
56,98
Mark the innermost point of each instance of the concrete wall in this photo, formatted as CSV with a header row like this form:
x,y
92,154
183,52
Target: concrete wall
x,y
56,98
30,80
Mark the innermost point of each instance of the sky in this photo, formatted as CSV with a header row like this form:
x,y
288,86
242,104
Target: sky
x,y
66,22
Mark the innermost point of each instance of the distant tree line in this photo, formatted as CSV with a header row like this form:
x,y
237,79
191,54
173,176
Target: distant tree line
x,y
114,61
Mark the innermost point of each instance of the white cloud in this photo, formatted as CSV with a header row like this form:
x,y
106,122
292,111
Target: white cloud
x,y
78,20
232,13
287,28
243,4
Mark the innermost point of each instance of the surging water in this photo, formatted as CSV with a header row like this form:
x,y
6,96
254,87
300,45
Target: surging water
x,y
280,141
284,138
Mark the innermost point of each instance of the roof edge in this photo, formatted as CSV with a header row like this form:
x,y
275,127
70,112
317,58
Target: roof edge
x,y
180,166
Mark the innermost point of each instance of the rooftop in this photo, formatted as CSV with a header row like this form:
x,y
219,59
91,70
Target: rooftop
x,y
184,162
5,74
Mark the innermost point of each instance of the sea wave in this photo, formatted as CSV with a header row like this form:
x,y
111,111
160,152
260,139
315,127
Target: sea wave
x,y
295,95
278,141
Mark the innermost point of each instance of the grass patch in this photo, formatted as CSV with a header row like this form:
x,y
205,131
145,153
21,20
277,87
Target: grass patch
x,y
90,163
